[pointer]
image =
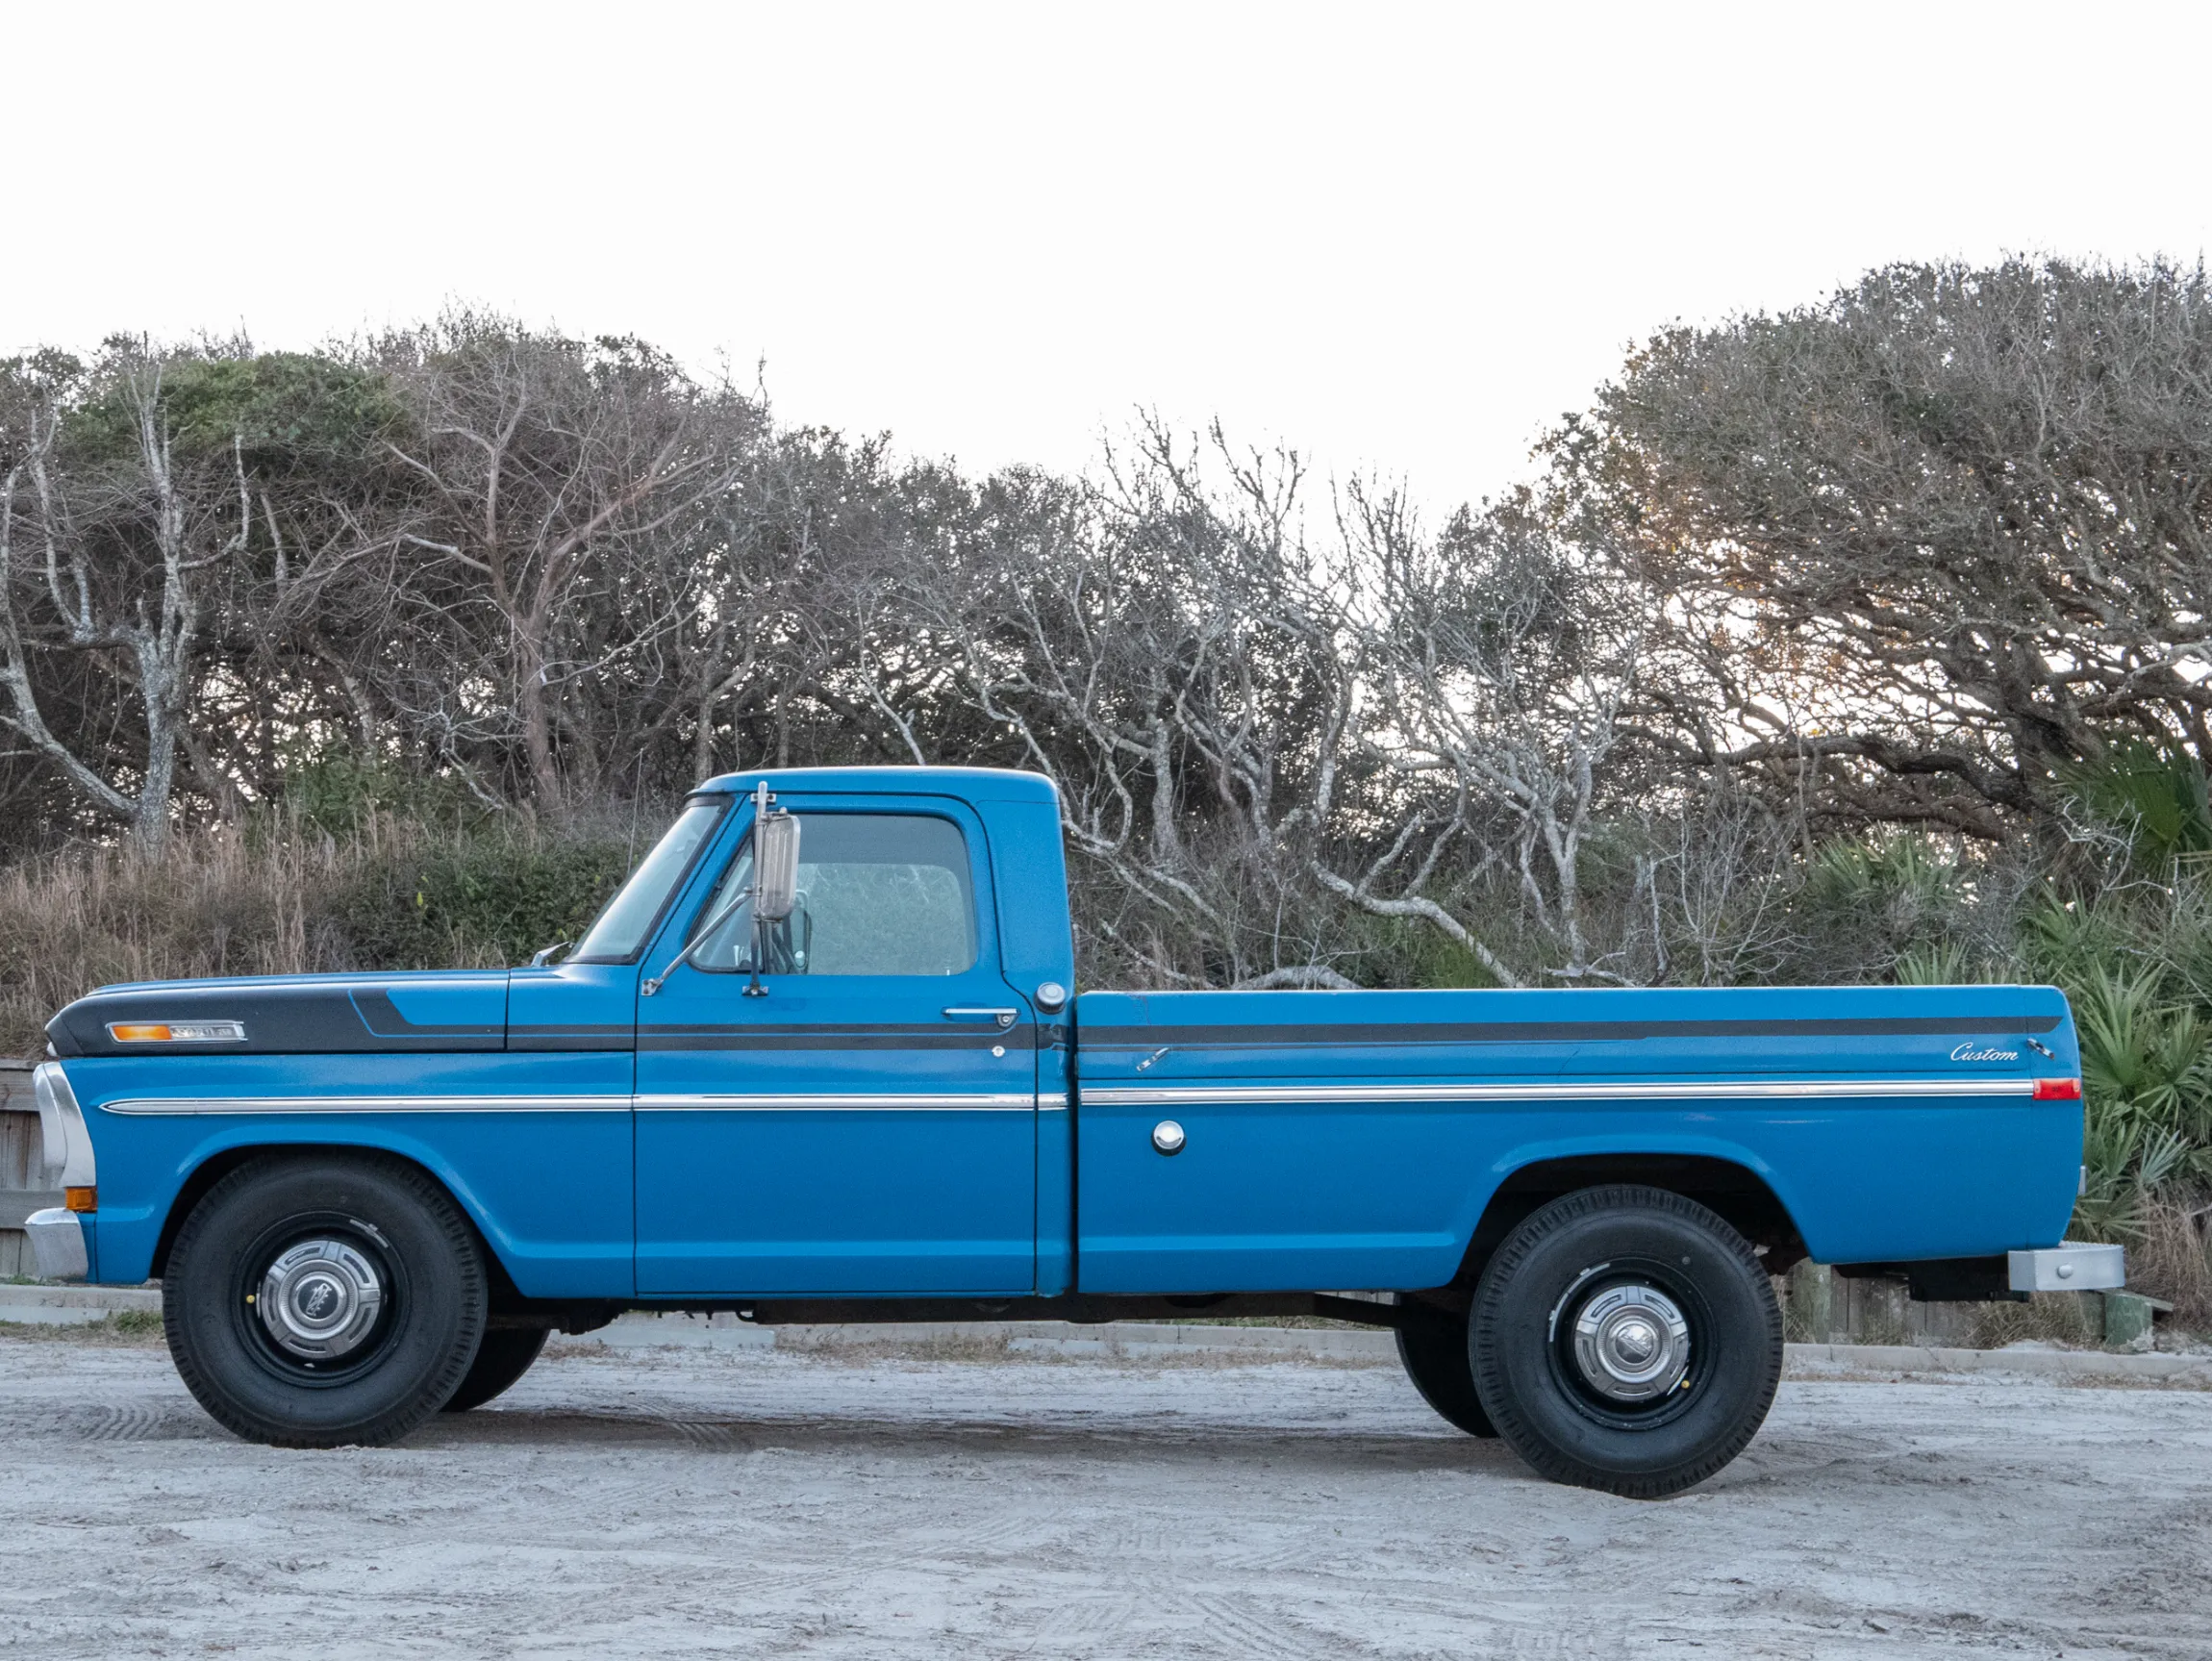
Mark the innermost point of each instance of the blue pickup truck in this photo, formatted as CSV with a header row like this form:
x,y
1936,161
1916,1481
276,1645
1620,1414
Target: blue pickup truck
x,y
819,1060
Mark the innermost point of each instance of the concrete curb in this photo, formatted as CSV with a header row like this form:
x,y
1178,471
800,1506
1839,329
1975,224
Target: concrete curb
x,y
1141,1340
73,1305
645,1330
1814,1358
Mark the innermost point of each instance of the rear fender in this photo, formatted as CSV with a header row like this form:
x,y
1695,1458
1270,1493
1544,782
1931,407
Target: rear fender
x,y
1731,1179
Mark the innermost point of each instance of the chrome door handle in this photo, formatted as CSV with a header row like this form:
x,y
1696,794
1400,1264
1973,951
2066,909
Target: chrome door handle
x,y
1005,1018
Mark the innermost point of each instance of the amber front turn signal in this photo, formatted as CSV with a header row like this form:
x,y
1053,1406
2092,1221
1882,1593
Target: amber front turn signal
x,y
177,1031
81,1198
2058,1089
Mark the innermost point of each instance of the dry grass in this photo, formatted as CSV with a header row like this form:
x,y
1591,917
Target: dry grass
x,y
280,896
2059,1317
2172,1260
125,1329
215,903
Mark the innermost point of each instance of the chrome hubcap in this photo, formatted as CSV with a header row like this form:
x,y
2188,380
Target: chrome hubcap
x,y
319,1300
1631,1343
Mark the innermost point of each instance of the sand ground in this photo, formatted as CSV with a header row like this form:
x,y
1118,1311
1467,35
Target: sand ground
x,y
975,1504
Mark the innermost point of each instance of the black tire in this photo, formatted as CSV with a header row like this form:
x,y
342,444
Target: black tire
x,y
405,1351
1588,1258
1432,1342
504,1356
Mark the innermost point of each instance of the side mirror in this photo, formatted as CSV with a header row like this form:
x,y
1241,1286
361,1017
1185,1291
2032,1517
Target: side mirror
x,y
775,866
775,876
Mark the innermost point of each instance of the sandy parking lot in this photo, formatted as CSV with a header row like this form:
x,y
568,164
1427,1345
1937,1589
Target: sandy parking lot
x,y
767,1503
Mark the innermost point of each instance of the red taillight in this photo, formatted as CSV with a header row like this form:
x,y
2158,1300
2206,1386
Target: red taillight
x,y
2058,1089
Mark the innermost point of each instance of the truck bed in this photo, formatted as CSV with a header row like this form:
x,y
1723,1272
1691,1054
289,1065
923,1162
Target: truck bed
x,y
1353,1138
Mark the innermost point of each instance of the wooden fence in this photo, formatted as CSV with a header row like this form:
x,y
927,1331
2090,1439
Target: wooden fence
x,y
20,1193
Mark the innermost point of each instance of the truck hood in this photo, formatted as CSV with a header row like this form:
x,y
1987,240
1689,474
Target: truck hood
x,y
293,1015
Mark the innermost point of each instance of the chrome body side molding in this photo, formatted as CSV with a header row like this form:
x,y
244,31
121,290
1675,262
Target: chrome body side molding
x,y
1023,1101
1724,1090
152,1107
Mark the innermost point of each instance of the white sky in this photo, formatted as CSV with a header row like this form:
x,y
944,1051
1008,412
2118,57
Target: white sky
x,y
1404,238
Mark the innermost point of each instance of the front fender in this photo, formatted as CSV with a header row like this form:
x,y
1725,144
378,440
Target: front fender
x,y
544,1169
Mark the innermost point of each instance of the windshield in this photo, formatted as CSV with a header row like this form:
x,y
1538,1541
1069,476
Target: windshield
x,y
622,928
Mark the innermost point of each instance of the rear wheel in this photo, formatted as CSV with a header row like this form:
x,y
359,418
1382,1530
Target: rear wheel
x,y
1432,1344
1626,1339
318,1300
504,1357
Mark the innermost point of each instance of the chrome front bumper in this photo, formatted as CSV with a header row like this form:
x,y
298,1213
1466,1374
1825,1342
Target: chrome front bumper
x,y
2073,1266
58,1245
65,1154
66,1144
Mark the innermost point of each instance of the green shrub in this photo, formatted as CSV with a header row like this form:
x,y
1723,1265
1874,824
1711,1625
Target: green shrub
x,y
2158,803
1897,908
482,898
2146,1074
283,896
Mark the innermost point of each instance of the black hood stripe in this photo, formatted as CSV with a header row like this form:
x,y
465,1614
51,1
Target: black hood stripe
x,y
285,1019
382,1017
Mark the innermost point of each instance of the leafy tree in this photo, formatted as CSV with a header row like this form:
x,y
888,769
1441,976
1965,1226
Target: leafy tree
x,y
1928,541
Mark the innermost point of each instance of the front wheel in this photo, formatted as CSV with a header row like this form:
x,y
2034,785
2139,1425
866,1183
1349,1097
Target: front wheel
x,y
321,1300
1626,1339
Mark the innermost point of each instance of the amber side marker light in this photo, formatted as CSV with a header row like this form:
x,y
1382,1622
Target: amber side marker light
x,y
2057,1090
81,1198
178,1032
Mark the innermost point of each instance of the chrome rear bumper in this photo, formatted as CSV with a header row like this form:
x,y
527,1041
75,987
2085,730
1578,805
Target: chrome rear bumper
x,y
2072,1266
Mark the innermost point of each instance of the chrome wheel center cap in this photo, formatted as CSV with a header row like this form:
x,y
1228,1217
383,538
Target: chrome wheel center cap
x,y
319,1300
1631,1343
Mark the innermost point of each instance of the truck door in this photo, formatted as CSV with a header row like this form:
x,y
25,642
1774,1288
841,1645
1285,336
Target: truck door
x,y
869,1125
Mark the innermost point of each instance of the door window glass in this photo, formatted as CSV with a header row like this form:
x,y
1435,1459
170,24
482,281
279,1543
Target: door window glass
x,y
878,893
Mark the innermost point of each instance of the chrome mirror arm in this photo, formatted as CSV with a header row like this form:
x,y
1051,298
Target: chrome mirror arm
x,y
656,982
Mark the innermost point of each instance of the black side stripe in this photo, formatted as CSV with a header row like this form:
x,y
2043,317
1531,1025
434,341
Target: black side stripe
x,y
832,1028
829,1038
1547,1031
760,1036
607,1037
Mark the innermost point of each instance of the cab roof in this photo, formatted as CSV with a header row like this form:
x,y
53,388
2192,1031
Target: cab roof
x,y
969,784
